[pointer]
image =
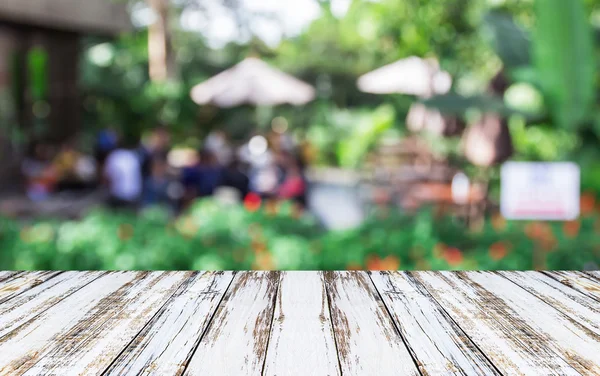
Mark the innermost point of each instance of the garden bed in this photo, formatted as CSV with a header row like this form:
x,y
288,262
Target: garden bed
x,y
214,237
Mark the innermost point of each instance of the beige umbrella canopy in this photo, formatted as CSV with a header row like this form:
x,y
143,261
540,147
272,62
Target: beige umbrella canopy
x,y
254,82
422,78
412,76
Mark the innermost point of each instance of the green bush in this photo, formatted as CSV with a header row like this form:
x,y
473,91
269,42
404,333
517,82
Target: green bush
x,y
213,236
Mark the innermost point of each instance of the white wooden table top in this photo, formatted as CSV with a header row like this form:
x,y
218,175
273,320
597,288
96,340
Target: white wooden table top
x,y
299,323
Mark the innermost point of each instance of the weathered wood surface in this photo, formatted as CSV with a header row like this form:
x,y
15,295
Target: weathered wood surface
x,y
581,308
367,340
581,282
238,336
299,323
302,341
6,275
438,344
165,345
94,343
22,282
511,342
30,303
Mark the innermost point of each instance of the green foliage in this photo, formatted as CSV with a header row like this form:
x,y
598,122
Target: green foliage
x,y
214,236
456,104
37,64
510,41
541,142
368,129
564,58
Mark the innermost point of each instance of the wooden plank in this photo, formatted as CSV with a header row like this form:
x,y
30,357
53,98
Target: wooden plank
x,y
579,281
165,345
5,275
438,344
594,273
578,345
302,340
579,307
237,338
367,341
22,282
36,300
516,330
22,347
92,345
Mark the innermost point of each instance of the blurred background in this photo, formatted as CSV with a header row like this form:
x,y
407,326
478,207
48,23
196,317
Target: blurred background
x,y
307,134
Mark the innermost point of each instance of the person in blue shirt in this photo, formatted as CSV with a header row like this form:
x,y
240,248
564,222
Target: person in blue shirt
x,y
202,179
156,185
106,142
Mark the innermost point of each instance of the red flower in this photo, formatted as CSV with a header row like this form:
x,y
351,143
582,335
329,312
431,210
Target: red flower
x,y
498,251
539,231
252,202
387,263
571,228
587,203
453,256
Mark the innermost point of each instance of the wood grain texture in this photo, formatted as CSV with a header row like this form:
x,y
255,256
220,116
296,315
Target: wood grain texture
x,y
25,345
301,340
22,282
438,344
510,341
4,275
164,346
594,273
580,307
579,281
36,300
237,339
570,339
300,323
95,342
367,341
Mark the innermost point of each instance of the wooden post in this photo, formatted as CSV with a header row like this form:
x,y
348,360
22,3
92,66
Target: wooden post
x,y
160,57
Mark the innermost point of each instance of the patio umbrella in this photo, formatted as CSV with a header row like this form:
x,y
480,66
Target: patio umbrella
x,y
422,78
254,82
412,76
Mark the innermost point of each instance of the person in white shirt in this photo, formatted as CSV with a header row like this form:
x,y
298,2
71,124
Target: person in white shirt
x,y
122,171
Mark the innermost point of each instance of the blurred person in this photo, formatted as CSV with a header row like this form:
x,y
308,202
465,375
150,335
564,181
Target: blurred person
x,y
106,141
294,184
233,176
122,173
159,143
37,170
218,144
74,170
265,176
156,187
202,179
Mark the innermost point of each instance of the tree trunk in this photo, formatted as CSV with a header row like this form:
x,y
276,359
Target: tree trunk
x,y
161,64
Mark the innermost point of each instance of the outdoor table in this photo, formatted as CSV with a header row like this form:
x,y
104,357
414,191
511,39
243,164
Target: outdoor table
x,y
299,323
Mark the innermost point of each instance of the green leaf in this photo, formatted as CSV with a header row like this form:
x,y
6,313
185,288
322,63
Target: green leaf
x,y
455,104
564,57
37,60
511,43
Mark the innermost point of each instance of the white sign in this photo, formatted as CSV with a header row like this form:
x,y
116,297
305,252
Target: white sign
x,y
540,191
